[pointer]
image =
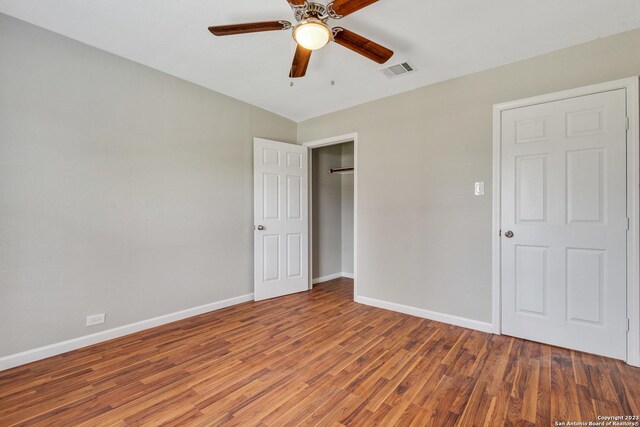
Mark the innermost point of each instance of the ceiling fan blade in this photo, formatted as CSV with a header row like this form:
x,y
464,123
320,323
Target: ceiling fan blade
x,y
362,45
300,62
347,7
296,2
251,27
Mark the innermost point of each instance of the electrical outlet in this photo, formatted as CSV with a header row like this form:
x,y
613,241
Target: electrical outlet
x,y
96,319
479,188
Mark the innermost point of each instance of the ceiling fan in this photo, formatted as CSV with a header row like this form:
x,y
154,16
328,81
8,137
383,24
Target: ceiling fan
x,y
311,31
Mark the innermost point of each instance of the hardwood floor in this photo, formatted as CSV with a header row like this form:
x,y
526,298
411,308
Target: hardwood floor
x,y
316,358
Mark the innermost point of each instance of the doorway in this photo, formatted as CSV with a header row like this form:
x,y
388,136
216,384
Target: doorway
x,y
333,207
332,212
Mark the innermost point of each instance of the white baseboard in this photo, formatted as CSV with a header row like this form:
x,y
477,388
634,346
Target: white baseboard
x,y
326,278
331,277
427,314
28,356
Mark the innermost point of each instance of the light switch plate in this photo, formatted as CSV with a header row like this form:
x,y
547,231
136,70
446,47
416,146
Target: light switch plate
x,y
479,188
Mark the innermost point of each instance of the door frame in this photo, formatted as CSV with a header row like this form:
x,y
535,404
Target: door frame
x,y
340,139
631,85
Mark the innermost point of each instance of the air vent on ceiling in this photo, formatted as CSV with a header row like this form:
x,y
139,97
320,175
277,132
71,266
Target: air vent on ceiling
x,y
398,70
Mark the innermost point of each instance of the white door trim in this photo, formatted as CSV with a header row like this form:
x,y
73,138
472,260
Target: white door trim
x,y
631,85
340,139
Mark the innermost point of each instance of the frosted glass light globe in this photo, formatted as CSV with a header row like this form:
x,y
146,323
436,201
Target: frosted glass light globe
x,y
312,34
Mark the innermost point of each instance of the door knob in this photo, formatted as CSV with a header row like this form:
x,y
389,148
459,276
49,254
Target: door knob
x,y
261,227
508,234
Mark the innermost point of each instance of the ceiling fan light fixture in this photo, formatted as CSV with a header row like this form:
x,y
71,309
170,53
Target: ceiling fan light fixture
x,y
312,34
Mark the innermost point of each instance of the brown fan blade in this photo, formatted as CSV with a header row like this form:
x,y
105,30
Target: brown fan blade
x,y
362,45
300,62
252,27
347,7
296,2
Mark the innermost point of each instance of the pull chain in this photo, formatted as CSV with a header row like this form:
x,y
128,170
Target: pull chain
x,y
292,53
333,64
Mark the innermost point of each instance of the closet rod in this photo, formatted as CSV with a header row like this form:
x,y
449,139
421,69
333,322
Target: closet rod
x,y
342,170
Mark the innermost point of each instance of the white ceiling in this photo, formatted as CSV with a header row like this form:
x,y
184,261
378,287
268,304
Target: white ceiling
x,y
442,39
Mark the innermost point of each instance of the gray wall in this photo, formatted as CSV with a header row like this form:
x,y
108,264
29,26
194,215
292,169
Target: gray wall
x,y
122,190
331,206
127,191
424,239
347,209
326,211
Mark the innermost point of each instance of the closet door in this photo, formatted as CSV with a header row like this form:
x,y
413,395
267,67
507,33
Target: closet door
x,y
564,223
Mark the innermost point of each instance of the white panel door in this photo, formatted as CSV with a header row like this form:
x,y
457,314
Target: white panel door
x,y
564,223
281,220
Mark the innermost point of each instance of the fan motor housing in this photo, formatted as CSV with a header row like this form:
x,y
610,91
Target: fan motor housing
x,y
314,10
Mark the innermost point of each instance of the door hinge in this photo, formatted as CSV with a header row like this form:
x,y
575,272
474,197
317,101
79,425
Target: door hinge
x,y
499,233
628,123
628,223
628,324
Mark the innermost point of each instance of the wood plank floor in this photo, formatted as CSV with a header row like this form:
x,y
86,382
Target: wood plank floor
x,y
316,358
